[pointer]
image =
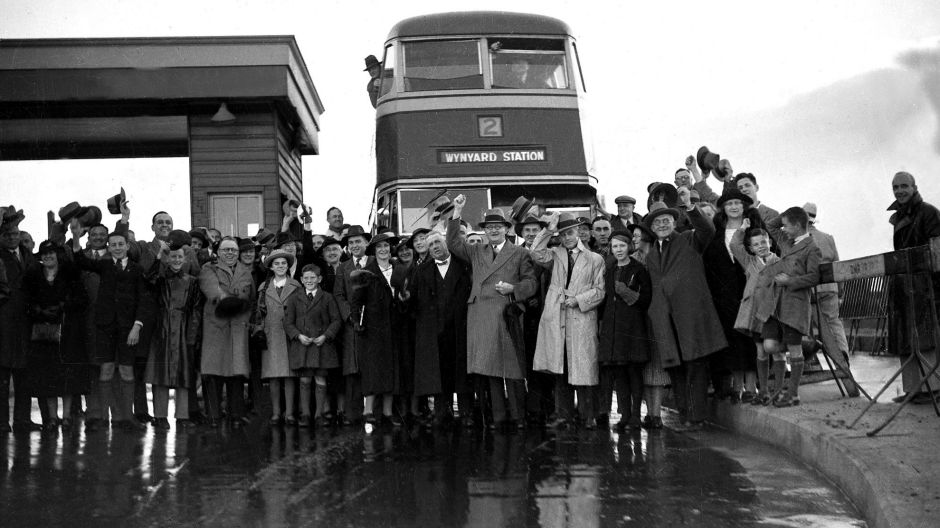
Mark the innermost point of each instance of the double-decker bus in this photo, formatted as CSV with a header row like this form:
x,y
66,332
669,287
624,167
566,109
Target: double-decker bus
x,y
485,104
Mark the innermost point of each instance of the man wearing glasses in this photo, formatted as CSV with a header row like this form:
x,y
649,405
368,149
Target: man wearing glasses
x,y
684,321
503,278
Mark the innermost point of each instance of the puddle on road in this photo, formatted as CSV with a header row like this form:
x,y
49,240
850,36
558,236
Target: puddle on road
x,y
264,477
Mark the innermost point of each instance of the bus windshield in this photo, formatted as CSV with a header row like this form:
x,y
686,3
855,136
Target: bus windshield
x,y
528,63
442,65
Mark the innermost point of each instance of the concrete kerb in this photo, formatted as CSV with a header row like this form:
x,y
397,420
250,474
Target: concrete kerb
x,y
888,477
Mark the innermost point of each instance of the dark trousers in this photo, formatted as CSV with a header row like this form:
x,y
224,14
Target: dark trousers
x,y
235,395
514,394
564,399
690,387
22,406
354,403
140,386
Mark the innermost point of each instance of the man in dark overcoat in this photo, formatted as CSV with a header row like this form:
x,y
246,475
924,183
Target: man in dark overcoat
x,y
915,223
503,278
684,322
437,297
356,241
14,326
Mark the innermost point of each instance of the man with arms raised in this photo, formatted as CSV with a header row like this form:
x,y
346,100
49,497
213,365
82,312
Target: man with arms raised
x,y
503,278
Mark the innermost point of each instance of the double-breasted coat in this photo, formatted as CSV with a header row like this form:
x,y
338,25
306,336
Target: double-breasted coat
x,y
789,303
312,318
491,349
172,359
567,337
685,325
625,335
275,361
439,307
225,339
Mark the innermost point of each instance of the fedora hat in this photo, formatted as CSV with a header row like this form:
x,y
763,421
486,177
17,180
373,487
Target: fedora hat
x,y
355,230
568,220
443,208
276,254
387,236
10,216
707,160
114,202
69,212
230,307
520,208
669,192
371,62
89,216
282,238
734,194
658,209
494,216
179,238
329,241
265,236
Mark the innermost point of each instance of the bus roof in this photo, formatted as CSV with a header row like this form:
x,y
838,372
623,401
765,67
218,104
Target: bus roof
x,y
478,23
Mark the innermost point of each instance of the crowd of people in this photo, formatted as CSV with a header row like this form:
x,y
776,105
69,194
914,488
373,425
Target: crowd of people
x,y
531,319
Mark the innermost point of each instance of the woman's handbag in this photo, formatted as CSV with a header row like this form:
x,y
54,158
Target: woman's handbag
x,y
46,332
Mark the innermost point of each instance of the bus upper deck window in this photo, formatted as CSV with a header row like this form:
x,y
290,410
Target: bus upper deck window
x,y
528,63
388,69
442,65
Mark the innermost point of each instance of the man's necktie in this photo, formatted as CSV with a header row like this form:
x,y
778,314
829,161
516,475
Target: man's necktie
x,y
495,251
310,295
358,265
570,266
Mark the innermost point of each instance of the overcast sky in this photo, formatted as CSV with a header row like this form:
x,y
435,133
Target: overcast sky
x,y
753,80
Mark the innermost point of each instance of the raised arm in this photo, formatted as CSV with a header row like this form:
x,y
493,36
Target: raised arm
x,y
455,244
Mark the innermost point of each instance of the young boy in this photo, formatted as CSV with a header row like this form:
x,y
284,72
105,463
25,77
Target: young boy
x,y
751,248
782,298
119,313
312,322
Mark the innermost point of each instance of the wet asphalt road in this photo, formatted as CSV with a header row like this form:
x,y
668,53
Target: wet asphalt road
x,y
260,476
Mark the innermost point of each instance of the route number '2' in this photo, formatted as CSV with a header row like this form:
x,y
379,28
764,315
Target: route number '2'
x,y
490,126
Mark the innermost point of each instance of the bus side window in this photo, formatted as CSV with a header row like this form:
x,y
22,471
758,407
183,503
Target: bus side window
x,y
388,69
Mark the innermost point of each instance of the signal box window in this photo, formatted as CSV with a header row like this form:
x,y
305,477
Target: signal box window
x,y
528,63
442,65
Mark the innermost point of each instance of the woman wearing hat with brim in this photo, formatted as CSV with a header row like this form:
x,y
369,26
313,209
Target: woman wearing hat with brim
x,y
379,350
734,369
225,357
269,311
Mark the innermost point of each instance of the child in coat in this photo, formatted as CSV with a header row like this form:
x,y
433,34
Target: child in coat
x,y
782,299
312,322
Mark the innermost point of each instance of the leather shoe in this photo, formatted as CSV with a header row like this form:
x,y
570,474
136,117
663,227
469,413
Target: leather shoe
x,y
143,418
132,426
161,423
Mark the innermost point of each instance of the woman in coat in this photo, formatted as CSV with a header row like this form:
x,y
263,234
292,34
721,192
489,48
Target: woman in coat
x,y
374,300
269,314
567,337
229,291
624,337
733,369
57,368
172,359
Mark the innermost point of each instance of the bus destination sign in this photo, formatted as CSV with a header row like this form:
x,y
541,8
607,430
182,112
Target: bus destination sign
x,y
491,156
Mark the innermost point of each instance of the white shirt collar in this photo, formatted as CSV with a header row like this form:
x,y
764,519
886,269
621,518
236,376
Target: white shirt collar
x,y
800,238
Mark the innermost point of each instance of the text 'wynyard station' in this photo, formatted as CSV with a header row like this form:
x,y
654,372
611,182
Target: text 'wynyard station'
x,y
492,156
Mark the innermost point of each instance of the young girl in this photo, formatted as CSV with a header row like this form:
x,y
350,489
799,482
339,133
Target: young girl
x,y
270,311
751,247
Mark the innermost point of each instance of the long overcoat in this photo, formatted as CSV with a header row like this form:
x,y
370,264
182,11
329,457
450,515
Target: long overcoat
x,y
14,321
491,349
439,307
172,361
312,318
225,339
625,334
378,349
915,223
567,337
685,325
351,341
790,304
275,361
